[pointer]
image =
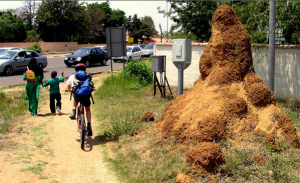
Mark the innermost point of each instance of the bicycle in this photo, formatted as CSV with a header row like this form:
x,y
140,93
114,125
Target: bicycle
x,y
81,121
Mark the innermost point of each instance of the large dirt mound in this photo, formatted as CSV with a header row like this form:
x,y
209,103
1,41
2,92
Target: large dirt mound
x,y
228,97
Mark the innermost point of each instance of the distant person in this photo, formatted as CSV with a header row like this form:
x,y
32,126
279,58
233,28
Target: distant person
x,y
55,92
34,76
72,83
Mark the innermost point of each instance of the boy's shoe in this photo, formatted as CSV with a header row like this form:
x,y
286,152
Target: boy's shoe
x,y
52,113
59,111
73,114
89,129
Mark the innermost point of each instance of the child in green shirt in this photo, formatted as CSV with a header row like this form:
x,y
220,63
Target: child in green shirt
x,y
55,92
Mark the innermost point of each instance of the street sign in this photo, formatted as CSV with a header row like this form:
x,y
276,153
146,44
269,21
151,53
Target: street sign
x,y
130,40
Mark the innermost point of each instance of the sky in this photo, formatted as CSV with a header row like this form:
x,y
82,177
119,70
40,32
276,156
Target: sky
x,y
141,8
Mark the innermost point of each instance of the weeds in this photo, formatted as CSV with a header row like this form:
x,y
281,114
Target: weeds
x,y
12,105
125,124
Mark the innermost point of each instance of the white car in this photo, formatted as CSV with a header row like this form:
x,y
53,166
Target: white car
x,y
2,49
133,52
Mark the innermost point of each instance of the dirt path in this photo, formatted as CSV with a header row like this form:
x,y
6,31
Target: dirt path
x,y
46,149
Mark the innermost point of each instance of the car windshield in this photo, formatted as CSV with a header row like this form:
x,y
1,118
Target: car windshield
x,y
129,49
82,51
149,46
7,54
2,50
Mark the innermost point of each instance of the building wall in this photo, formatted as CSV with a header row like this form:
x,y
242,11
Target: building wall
x,y
287,67
46,46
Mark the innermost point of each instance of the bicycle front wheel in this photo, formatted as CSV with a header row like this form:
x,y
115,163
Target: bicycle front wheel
x,y
82,131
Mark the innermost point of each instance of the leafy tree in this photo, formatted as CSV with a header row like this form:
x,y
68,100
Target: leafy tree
x,y
137,29
288,16
32,36
61,20
28,13
192,17
148,21
12,28
94,24
111,18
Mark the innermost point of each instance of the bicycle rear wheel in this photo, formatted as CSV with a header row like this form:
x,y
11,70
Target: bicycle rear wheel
x,y
82,131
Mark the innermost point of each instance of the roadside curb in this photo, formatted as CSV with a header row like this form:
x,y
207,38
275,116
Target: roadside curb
x,y
55,56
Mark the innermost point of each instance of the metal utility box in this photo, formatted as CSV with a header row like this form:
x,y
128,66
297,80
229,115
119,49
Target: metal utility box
x,y
182,52
158,63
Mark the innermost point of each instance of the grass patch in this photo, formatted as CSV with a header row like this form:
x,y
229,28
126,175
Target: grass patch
x,y
12,106
36,169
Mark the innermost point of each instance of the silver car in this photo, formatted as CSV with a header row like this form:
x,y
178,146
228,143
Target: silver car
x,y
133,52
2,49
148,50
17,60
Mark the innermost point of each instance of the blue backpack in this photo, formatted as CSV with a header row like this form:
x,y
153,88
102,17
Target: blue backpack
x,y
82,84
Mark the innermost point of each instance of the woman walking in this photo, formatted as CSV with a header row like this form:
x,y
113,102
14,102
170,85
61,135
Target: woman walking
x,y
33,85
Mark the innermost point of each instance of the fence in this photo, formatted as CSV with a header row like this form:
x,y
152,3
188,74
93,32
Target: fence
x,y
287,67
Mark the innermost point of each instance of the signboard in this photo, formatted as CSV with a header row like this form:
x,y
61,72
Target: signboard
x,y
130,40
116,42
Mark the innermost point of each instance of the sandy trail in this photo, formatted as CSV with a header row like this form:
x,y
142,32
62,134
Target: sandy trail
x,y
48,149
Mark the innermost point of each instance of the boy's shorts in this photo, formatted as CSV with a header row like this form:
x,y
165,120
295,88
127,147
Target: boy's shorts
x,y
85,100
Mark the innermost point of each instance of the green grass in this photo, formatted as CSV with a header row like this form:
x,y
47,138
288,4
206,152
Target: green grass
x,y
12,106
36,169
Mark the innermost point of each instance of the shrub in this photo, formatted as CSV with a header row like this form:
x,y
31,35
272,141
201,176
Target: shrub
x,y
35,47
139,70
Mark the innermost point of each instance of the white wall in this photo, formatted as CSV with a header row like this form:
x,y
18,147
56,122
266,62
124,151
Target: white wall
x,y
287,67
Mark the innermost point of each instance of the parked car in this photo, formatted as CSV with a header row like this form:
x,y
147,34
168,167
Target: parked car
x,y
17,60
133,52
139,45
86,56
104,48
148,50
2,49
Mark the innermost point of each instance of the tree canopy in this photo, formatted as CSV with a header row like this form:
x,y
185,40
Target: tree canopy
x,y
148,21
193,18
60,20
12,28
137,29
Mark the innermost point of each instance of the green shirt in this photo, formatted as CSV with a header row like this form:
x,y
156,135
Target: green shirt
x,y
54,84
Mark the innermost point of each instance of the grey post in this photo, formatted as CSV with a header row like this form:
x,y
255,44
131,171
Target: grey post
x,y
272,45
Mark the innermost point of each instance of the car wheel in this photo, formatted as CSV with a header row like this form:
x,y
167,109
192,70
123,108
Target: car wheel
x,y
129,59
40,65
104,62
8,70
114,60
68,65
87,63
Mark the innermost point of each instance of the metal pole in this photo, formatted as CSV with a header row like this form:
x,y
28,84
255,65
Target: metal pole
x,y
111,62
167,20
272,44
180,79
123,49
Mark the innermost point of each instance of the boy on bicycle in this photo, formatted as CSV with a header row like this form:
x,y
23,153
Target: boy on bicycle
x,y
85,100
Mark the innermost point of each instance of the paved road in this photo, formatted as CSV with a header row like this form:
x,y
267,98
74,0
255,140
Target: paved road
x,y
56,63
